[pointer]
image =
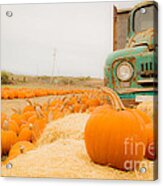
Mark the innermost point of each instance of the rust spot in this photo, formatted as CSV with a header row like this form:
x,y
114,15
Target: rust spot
x,y
147,35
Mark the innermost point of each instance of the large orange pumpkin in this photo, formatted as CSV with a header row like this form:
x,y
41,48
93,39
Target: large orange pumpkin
x,y
116,135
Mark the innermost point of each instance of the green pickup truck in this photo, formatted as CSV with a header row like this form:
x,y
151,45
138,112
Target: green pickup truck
x,y
131,70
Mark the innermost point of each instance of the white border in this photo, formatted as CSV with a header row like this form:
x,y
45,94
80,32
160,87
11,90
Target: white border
x,y
74,182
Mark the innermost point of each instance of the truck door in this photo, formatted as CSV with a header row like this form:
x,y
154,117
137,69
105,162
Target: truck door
x,y
120,20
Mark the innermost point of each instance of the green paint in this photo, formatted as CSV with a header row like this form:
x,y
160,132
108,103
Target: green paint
x,y
141,53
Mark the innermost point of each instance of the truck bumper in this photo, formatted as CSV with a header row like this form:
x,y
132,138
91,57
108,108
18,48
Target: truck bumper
x,y
135,90
138,95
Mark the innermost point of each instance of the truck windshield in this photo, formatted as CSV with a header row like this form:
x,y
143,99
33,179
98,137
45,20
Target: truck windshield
x,y
144,18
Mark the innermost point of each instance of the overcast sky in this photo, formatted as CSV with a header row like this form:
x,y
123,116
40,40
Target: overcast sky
x,y
81,34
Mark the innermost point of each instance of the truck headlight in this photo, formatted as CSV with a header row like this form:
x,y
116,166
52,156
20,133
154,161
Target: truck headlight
x,y
124,71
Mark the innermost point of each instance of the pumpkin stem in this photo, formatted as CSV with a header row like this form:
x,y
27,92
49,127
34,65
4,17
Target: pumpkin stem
x,y
5,124
29,102
38,104
63,98
39,112
50,116
30,126
114,98
71,108
62,107
49,102
18,110
78,99
21,149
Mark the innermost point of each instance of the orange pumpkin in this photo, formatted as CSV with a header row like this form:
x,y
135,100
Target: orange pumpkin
x,y
151,148
115,135
56,114
11,94
10,125
39,119
22,94
93,102
20,147
28,114
29,107
41,123
91,109
77,107
3,117
18,117
9,138
29,133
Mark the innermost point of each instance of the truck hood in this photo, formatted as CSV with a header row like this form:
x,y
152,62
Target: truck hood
x,y
148,38
126,52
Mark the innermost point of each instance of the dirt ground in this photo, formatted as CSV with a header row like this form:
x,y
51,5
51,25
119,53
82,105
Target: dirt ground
x,y
7,105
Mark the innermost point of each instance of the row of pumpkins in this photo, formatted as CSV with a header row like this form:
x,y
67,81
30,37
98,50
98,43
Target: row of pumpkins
x,y
24,127
114,135
21,93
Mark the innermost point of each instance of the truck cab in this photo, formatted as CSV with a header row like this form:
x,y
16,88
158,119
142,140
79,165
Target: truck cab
x,y
131,70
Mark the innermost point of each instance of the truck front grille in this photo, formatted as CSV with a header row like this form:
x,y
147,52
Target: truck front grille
x,y
149,69
148,75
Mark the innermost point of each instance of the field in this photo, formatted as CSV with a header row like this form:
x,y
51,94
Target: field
x,y
49,124
57,83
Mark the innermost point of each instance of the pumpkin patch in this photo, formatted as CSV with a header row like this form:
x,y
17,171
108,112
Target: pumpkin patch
x,y
28,123
114,135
